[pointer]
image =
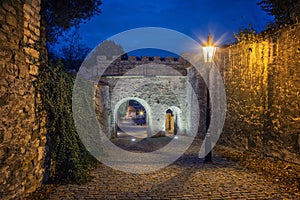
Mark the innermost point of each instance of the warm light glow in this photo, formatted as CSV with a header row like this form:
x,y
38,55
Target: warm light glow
x,y
209,49
141,112
209,53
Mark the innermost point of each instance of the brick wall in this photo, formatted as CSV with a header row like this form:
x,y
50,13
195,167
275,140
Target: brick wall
x,y
22,139
262,80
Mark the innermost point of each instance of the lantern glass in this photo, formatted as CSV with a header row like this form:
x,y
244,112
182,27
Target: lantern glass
x,y
209,53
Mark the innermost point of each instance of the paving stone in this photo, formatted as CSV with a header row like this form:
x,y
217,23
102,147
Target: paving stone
x,y
181,180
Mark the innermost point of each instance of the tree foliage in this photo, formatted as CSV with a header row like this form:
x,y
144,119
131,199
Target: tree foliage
x,y
73,52
284,11
68,158
245,34
107,48
60,15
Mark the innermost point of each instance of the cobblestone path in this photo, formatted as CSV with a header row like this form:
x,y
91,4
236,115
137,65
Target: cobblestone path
x,y
188,178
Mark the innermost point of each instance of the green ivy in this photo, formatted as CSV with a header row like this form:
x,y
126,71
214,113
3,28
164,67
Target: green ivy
x,y
70,161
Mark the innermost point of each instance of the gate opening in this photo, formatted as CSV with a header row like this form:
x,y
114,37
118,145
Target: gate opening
x,y
132,120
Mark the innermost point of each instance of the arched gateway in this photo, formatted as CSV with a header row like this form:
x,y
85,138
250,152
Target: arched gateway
x,y
158,85
143,103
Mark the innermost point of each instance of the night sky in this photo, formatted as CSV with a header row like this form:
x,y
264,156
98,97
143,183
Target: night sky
x,y
195,18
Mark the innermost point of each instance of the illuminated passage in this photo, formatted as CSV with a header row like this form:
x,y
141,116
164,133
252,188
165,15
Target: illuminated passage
x,y
155,97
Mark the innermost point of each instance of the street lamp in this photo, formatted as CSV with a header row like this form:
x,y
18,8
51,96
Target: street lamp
x,y
209,50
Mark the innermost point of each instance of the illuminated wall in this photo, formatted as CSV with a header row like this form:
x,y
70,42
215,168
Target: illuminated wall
x,y
22,126
262,79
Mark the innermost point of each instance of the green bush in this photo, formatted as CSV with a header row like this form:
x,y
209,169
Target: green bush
x,y
69,160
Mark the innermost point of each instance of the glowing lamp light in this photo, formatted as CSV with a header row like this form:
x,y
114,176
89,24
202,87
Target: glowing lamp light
x,y
141,112
209,49
133,139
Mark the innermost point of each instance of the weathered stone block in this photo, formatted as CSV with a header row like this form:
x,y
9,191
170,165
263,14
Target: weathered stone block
x,y
34,29
41,153
33,70
145,58
9,8
11,20
28,10
132,58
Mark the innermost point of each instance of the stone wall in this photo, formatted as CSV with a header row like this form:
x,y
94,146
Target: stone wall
x,y
160,93
22,139
157,83
262,80
147,66
200,89
103,108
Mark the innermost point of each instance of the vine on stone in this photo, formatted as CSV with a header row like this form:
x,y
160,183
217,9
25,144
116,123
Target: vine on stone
x,y
67,160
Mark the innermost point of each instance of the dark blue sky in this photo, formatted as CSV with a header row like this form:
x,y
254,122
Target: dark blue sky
x,y
195,18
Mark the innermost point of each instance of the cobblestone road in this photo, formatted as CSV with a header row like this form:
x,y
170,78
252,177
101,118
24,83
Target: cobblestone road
x,y
187,178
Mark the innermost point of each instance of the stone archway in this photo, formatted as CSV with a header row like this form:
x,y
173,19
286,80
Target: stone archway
x,y
143,103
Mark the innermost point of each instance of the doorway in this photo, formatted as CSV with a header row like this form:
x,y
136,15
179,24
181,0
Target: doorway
x,y
171,122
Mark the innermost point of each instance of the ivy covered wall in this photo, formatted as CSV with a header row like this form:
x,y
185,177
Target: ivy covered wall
x,y
262,79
